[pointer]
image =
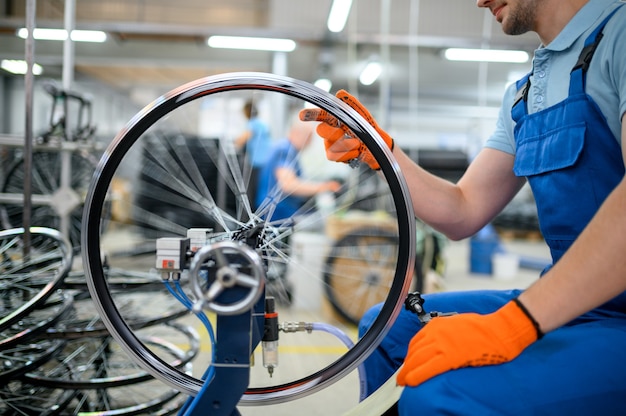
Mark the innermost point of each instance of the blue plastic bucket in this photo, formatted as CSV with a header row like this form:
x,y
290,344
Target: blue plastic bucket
x,y
482,247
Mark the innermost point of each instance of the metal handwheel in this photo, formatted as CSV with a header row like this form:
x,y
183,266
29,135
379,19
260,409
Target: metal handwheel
x,y
250,277
359,270
178,156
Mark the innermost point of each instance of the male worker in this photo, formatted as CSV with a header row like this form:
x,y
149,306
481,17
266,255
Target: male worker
x,y
282,189
256,141
558,347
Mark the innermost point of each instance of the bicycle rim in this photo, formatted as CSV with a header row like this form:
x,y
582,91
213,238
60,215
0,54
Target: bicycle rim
x,y
147,123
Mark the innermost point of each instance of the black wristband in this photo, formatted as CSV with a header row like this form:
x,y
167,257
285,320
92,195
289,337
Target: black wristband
x,y
530,317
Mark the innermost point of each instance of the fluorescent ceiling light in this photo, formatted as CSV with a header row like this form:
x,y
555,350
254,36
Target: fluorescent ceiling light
x,y
324,84
485,55
44,34
96,36
19,67
338,15
260,44
370,73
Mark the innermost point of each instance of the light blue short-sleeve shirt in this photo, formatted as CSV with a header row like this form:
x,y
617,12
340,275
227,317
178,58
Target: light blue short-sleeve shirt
x,y
258,147
552,64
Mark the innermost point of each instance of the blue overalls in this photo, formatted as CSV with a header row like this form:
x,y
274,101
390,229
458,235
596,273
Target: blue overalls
x,y
571,159
572,162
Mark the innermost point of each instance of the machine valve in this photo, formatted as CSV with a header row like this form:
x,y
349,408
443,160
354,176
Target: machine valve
x,y
415,303
269,343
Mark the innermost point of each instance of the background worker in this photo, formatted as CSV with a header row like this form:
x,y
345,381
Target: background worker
x,y
282,189
256,140
558,347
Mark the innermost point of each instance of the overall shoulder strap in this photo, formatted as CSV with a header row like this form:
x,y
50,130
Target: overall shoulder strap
x,y
578,74
520,108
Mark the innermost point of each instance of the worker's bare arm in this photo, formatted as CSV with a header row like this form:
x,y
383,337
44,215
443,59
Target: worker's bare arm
x,y
460,210
291,184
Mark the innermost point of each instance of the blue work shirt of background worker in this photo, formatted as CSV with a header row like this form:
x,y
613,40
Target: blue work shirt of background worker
x,y
281,155
259,144
256,140
282,187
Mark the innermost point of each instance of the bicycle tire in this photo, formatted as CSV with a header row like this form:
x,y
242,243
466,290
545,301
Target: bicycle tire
x,y
369,268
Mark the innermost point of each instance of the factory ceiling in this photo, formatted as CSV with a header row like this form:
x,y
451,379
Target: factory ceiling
x,y
161,44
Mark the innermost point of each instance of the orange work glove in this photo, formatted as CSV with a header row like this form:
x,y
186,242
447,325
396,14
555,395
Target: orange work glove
x,y
341,143
468,340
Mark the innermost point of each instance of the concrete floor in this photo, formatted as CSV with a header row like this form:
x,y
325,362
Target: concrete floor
x,y
343,396
300,353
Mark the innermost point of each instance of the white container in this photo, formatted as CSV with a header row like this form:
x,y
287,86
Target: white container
x,y
505,266
306,268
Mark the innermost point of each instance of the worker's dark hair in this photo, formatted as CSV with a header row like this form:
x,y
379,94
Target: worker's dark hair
x,y
249,109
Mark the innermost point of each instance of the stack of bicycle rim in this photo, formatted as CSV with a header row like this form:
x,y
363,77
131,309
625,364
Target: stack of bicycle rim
x,y
57,357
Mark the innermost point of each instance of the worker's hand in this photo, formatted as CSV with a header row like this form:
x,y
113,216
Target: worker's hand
x,y
468,340
341,143
330,186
